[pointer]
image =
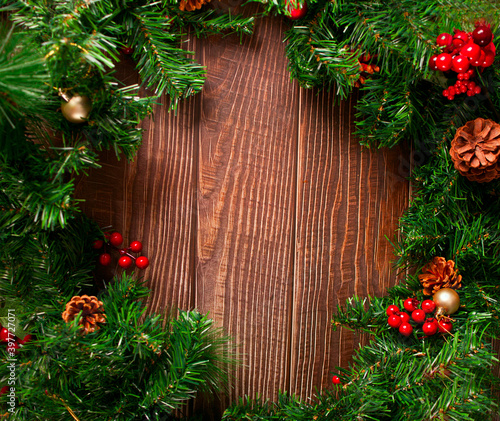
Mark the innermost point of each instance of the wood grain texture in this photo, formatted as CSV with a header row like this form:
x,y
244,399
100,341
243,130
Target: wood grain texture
x,y
246,196
256,204
152,200
348,201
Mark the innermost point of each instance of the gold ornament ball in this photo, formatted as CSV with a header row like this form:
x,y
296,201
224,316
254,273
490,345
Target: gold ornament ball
x,y
447,301
77,109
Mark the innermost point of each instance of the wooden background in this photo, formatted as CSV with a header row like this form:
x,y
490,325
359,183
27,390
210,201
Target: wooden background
x,y
255,203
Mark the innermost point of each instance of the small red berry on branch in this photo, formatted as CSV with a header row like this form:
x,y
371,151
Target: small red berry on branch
x,y
5,335
406,329
394,321
428,306
392,309
142,262
411,304
418,316
116,239
135,246
125,262
295,10
105,259
405,317
336,380
445,326
430,327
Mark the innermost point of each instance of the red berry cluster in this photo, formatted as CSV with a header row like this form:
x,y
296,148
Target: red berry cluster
x,y
421,316
13,342
114,241
461,51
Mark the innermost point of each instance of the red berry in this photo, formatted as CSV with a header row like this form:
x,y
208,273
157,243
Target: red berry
x,y
405,329
460,64
444,39
489,58
490,47
418,316
460,76
445,326
445,92
461,35
466,76
336,380
430,328
296,11
27,338
135,246
4,390
463,89
457,43
470,93
479,61
142,262
428,306
394,321
98,244
443,62
470,72
432,62
411,304
477,90
116,239
482,35
451,97
471,50
471,84
451,92
4,335
405,317
127,50
105,259
125,262
392,309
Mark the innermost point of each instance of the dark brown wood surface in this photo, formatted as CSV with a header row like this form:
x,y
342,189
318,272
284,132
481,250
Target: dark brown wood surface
x,y
257,204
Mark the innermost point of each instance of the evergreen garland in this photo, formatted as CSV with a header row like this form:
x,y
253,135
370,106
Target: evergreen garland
x,y
53,48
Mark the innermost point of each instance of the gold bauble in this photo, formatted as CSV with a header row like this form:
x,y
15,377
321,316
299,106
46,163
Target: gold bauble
x,y
447,301
77,109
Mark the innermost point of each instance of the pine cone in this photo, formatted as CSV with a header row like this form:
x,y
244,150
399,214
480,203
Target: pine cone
x,y
475,150
92,312
439,274
190,5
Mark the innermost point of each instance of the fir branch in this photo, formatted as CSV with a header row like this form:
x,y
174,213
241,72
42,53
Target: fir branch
x,y
162,65
22,77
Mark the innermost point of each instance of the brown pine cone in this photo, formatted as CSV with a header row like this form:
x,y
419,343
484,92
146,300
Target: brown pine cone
x,y
92,312
475,150
190,5
439,274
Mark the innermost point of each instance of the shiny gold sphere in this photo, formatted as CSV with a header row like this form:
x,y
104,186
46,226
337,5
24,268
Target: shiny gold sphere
x,y
77,109
447,301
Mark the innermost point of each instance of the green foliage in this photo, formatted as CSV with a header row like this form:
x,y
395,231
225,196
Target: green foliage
x,y
403,101
53,50
135,367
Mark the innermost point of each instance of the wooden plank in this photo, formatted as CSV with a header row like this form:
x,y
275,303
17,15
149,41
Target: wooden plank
x,y
246,196
152,200
348,200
